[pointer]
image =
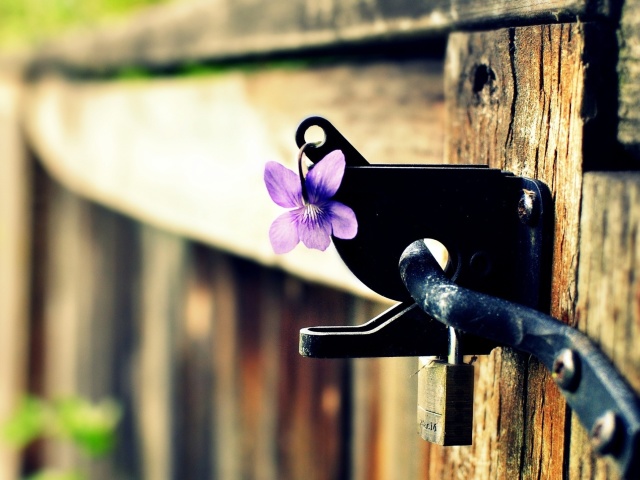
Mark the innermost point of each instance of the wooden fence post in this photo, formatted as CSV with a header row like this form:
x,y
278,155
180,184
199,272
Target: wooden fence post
x,y
517,100
162,277
608,290
15,244
87,266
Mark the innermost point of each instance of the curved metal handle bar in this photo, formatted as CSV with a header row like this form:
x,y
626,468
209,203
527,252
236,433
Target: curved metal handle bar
x,y
593,388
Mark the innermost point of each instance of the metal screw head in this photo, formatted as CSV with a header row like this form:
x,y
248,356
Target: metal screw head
x,y
566,370
528,207
603,433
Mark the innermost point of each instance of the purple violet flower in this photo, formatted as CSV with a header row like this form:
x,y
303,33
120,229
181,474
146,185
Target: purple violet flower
x,y
314,216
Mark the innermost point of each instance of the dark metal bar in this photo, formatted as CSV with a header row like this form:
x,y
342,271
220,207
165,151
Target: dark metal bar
x,y
603,400
402,331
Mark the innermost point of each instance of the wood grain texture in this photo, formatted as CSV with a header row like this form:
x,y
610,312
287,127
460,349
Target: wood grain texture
x,y
608,291
188,155
15,262
498,13
187,31
516,101
629,77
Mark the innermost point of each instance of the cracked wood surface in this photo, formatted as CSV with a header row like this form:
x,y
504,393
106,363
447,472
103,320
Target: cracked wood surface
x,y
518,99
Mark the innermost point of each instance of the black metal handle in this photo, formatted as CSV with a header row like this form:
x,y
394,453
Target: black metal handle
x,y
603,400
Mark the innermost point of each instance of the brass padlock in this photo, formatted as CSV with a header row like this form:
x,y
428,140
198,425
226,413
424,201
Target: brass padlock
x,y
445,398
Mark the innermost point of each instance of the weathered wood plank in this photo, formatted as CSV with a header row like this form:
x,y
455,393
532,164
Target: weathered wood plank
x,y
108,334
629,77
493,14
162,283
196,369
226,391
68,293
516,101
313,393
608,287
267,465
15,262
188,155
174,34
86,277
200,348
272,413
524,88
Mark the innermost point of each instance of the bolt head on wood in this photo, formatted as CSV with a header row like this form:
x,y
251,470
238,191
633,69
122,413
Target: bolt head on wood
x,y
528,207
565,370
604,433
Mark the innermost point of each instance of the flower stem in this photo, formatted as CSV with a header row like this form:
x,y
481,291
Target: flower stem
x,y
303,183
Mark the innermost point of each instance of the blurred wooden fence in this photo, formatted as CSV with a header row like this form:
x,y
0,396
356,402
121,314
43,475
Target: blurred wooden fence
x,y
123,273
199,346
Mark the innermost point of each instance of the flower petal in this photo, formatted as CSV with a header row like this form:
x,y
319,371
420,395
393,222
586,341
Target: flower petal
x,y
343,220
283,185
284,232
324,179
315,233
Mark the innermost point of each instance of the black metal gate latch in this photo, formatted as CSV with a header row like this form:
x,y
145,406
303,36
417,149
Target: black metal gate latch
x,y
497,229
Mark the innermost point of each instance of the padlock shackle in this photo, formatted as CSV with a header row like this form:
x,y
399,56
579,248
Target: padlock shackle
x,y
603,400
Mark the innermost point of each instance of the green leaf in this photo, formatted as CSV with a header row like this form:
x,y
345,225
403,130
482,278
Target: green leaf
x,y
26,424
91,427
55,475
